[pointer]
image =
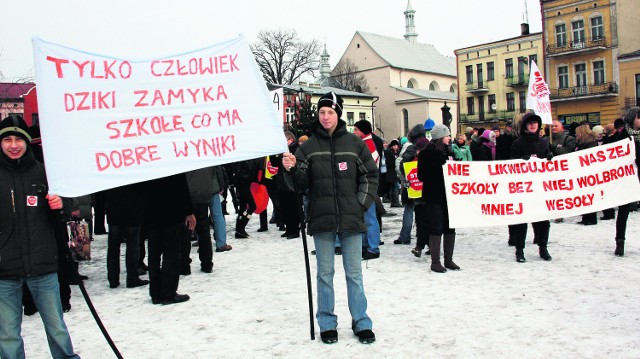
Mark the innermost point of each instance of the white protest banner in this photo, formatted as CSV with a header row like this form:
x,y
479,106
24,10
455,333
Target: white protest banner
x,y
538,95
106,122
498,193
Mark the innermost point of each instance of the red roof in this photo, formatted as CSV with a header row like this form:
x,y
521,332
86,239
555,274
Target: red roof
x,y
14,90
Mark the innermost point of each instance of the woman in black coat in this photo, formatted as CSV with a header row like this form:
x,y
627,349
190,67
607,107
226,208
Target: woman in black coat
x,y
528,145
430,173
585,138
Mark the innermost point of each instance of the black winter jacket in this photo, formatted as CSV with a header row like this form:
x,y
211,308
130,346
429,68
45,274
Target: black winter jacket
x,y
27,242
124,205
430,173
531,145
342,179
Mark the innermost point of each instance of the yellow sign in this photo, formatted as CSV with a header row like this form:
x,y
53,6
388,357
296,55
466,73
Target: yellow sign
x,y
415,186
269,170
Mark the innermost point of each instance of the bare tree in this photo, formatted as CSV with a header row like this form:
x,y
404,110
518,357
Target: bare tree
x,y
283,58
347,76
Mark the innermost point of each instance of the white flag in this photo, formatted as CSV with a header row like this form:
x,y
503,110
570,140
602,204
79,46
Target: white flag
x,y
538,94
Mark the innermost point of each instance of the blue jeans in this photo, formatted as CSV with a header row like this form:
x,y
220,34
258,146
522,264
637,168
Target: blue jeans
x,y
407,222
352,263
219,223
371,238
46,296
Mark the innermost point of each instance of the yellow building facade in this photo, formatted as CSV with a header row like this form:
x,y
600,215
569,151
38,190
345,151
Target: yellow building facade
x,y
493,79
583,41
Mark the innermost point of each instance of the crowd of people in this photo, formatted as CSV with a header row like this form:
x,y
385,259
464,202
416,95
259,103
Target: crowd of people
x,y
333,182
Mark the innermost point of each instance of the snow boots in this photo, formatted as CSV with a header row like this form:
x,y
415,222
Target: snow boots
x,y
434,246
449,241
241,224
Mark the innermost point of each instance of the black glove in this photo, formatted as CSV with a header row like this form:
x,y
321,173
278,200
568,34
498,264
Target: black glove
x,y
526,157
549,156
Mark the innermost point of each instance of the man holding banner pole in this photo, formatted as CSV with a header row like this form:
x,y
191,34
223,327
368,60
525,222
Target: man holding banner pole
x,y
342,177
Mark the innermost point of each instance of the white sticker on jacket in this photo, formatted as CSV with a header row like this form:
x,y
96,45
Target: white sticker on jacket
x,y
342,166
32,201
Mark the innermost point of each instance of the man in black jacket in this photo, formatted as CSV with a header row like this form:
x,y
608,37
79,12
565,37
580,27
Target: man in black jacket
x,y
342,177
28,252
168,216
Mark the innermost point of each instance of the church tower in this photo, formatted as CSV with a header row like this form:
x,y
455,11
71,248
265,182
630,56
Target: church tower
x,y
410,29
325,68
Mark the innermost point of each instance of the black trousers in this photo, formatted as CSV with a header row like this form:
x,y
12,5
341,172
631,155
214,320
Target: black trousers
x,y
164,248
290,211
540,233
203,231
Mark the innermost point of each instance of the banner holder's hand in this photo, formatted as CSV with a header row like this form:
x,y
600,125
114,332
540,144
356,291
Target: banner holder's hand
x,y
190,222
288,161
55,202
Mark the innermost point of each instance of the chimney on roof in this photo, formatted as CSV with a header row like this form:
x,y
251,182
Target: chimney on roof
x,y
524,28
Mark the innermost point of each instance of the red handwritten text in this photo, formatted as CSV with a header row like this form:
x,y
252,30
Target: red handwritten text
x,y
126,157
195,66
136,127
602,155
502,209
82,101
571,202
169,97
216,147
465,188
105,69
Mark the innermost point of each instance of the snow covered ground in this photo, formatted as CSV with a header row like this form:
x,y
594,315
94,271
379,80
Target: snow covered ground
x,y
583,304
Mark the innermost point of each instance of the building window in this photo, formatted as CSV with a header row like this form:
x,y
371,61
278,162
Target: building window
x,y
533,58
492,101
577,28
511,102
561,35
405,119
469,70
581,74
480,75
433,86
362,116
637,89
581,79
452,89
350,121
470,106
598,72
523,101
597,29
508,68
563,77
490,71
481,107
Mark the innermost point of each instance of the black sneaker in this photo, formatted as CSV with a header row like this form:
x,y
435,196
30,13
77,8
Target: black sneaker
x,y
329,336
366,336
366,255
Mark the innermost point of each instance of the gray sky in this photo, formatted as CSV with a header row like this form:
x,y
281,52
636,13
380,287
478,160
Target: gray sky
x,y
143,29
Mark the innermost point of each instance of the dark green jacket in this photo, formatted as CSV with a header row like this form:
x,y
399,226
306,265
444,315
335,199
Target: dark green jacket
x,y
342,179
27,243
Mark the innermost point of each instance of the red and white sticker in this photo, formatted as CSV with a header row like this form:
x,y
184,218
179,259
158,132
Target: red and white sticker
x,y
32,201
342,166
